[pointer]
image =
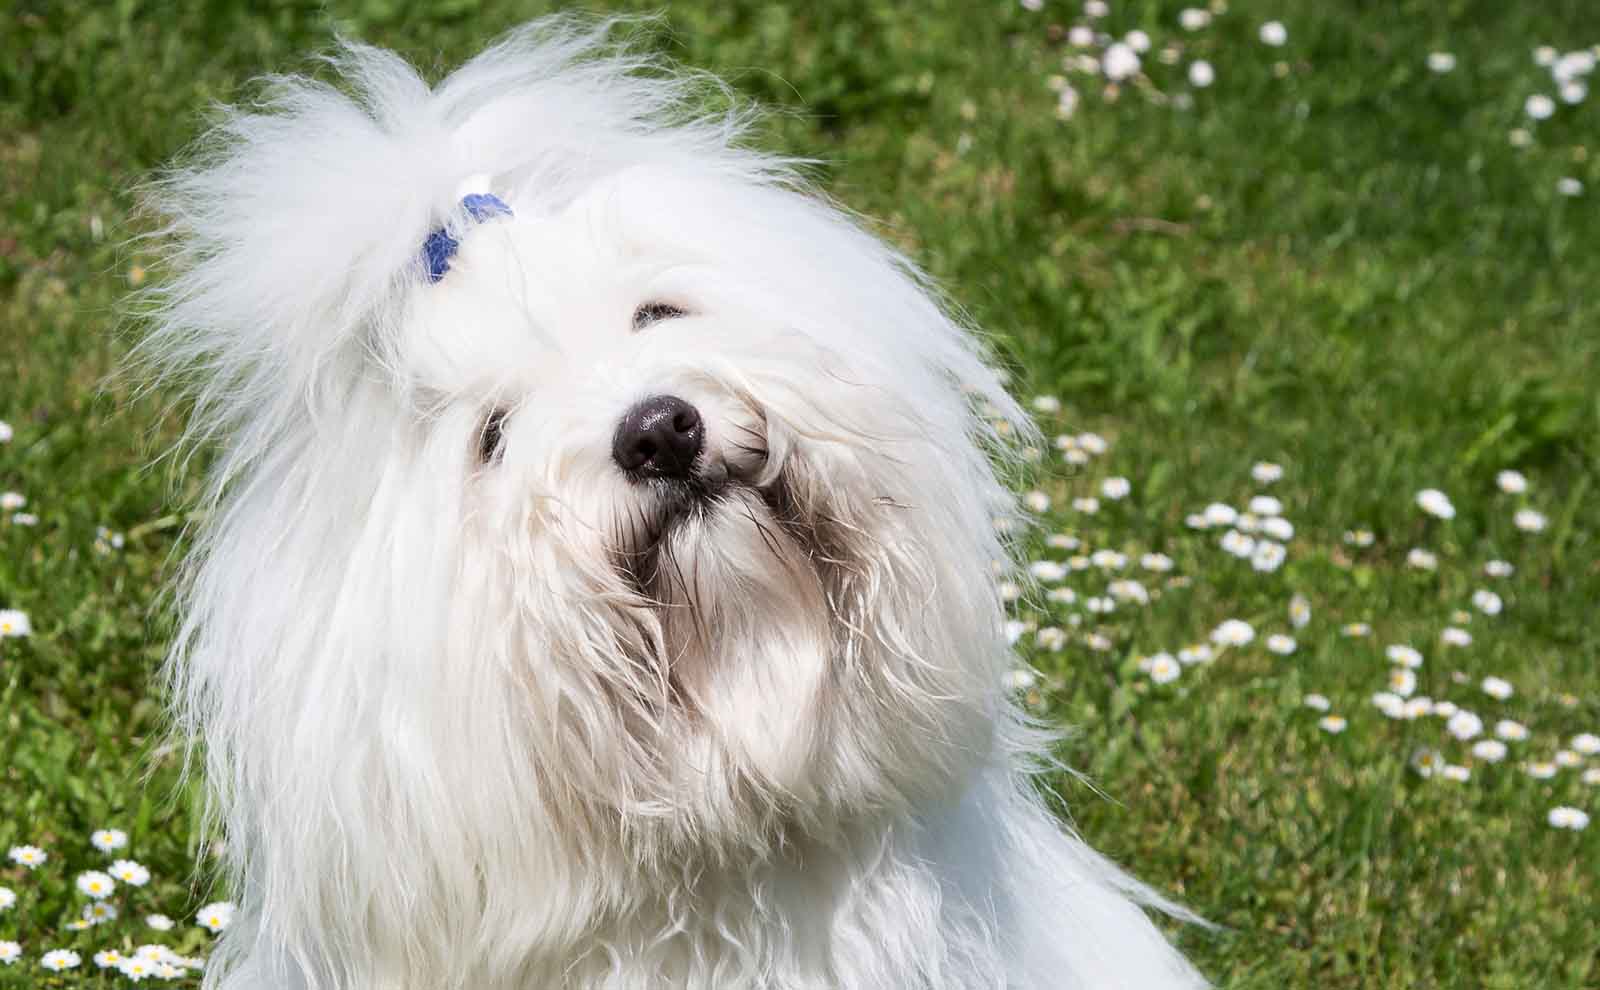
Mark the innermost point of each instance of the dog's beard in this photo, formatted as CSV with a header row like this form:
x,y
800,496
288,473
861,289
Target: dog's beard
x,y
731,580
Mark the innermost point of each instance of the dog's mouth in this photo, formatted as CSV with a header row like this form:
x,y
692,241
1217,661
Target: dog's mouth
x,y
645,545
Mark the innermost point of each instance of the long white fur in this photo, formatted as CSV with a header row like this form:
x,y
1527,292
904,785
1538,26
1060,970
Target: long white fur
x,y
449,742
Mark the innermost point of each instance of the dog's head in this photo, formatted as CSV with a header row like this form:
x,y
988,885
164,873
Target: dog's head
x,y
639,494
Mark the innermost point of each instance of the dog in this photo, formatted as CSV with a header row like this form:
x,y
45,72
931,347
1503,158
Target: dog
x,y
595,582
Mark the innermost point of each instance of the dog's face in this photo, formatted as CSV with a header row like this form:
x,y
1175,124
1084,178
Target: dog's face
x,y
723,526
657,525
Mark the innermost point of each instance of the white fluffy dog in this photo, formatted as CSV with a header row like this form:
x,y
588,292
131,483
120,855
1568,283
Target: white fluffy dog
x,y
595,590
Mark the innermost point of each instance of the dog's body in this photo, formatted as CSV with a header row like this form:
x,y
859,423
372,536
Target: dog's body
x,y
596,589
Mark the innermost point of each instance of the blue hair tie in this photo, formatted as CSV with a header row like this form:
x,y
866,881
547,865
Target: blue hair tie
x,y
440,246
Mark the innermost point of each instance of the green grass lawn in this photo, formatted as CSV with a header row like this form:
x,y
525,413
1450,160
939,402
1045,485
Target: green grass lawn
x,y
1332,258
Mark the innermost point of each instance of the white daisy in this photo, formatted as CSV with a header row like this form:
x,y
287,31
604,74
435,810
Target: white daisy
x,y
1529,520
1418,707
1545,56
1237,544
12,501
29,856
1498,568
1568,186
1445,709
215,917
1453,636
1266,505
1540,770
130,872
1359,537
1119,62
1355,629
1317,702
1268,556
1115,488
1511,482
1100,605
1422,560
1193,18
1233,632
1096,8
159,922
1435,503
8,898
1201,74
24,519
1078,562
1568,759
1299,611
1591,776
1568,818
1127,590
97,912
136,968
1010,591
96,884
1273,33
109,839
1402,681
1048,571
1046,404
1426,762
1137,40
60,960
1109,560
1332,723
1158,562
1196,520
1405,656
14,623
1014,628
1510,730
1539,106
6,432
1163,669
1487,601
1496,687
1586,743
1441,62
1280,644
1266,472
1081,36
1063,541
1459,774
1087,506
10,952
107,958
1195,653
1094,443
1464,725
1051,638
1218,514
1097,642
1037,501
1278,528
1489,750
1061,596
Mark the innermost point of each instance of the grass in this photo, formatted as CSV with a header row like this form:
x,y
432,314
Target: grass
x,y
1341,265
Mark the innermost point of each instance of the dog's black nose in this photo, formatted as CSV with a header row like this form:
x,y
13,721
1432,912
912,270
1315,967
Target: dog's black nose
x,y
659,438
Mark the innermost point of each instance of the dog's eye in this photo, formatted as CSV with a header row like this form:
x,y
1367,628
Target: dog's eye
x,y
655,312
489,436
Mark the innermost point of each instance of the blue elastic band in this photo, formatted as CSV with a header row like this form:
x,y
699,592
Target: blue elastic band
x,y
440,247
